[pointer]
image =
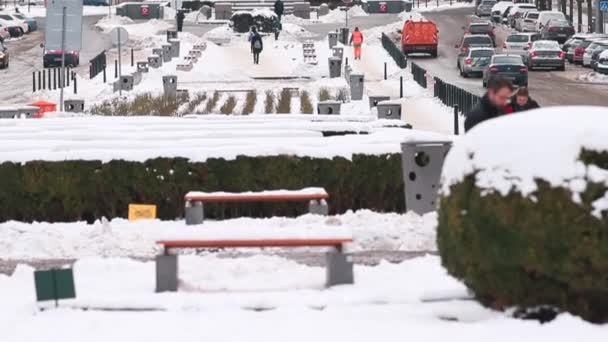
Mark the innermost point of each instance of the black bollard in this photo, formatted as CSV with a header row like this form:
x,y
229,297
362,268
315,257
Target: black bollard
x,y
33,81
49,78
385,72
67,77
346,61
115,68
44,79
104,74
39,80
456,120
55,73
132,58
75,85
401,87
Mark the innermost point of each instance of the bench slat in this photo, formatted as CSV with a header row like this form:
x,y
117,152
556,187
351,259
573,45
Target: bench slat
x,y
253,243
264,196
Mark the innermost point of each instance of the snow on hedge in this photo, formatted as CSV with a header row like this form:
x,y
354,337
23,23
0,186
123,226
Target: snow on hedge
x,y
512,151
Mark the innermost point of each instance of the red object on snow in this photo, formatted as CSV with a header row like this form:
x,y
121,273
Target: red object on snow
x,y
144,10
45,107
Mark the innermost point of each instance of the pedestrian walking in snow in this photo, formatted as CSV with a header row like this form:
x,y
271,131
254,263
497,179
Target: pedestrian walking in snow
x,y
279,8
256,45
491,105
180,20
521,101
276,28
357,40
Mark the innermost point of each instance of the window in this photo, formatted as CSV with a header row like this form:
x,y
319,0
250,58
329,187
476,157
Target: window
x,y
552,45
479,29
482,53
517,38
532,16
507,60
477,41
6,17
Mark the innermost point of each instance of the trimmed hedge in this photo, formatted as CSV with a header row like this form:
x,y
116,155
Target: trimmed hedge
x,y
514,251
86,190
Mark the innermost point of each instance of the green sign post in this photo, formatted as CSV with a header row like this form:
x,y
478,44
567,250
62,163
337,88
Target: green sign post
x,y
54,285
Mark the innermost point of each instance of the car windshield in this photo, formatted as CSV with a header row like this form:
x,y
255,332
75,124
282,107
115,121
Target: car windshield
x,y
485,28
488,3
550,16
482,53
532,15
517,38
559,23
507,60
551,45
19,16
592,46
6,17
477,41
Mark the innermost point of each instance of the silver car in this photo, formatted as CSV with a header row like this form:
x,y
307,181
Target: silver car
x,y
519,44
509,67
476,61
546,53
527,23
485,8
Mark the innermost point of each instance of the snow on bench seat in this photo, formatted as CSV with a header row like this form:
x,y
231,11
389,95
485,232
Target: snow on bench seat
x,y
255,243
305,194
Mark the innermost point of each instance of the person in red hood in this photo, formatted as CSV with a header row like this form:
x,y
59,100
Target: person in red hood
x,y
521,101
357,40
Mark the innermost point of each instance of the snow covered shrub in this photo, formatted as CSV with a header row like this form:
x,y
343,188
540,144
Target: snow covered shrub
x,y
523,217
342,95
194,103
269,102
306,103
212,103
250,101
324,95
229,105
284,102
141,104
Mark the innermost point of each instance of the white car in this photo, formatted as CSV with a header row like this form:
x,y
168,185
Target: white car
x,y
589,52
10,21
4,34
545,16
602,64
499,9
528,22
520,43
518,11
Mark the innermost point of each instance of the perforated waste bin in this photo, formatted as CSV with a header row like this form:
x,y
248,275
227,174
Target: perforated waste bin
x,y
155,61
344,36
335,67
356,82
171,34
167,54
421,163
374,100
170,85
332,37
74,106
389,111
142,67
338,51
329,107
174,48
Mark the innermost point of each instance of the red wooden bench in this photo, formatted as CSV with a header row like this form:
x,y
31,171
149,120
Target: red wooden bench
x,y
195,200
339,267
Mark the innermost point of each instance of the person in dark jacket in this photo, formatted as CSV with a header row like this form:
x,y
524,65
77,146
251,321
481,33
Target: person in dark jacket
x,y
180,20
257,45
491,105
521,101
279,8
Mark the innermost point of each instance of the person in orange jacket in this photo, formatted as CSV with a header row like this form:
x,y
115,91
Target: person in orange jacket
x,y
357,40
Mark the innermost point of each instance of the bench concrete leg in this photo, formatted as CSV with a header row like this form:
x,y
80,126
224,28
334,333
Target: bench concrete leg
x,y
194,213
339,269
318,208
166,273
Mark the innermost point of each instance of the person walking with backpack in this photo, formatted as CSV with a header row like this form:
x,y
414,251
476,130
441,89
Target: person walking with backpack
x,y
256,45
357,40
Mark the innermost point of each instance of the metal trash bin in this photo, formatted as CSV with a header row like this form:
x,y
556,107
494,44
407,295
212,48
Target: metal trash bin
x,y
155,61
421,163
167,54
335,67
9,112
344,35
171,34
28,112
332,37
174,48
142,67
389,111
170,85
356,82
407,6
338,51
373,100
329,107
74,106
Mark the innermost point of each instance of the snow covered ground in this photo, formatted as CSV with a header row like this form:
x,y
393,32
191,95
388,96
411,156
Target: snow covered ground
x,y
267,298
120,238
40,11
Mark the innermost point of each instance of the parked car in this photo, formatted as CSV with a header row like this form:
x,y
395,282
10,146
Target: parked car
x,y
419,36
595,56
32,24
545,16
475,61
52,58
579,51
589,51
485,8
498,10
602,65
547,54
520,43
470,41
571,44
14,22
510,67
4,33
518,11
482,27
558,30
4,56
505,15
527,23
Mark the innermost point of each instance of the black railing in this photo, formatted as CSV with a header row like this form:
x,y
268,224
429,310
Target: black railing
x,y
419,74
452,96
97,64
394,51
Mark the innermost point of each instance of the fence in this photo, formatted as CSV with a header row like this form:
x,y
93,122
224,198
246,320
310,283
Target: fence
x,y
50,79
97,64
419,75
452,96
394,51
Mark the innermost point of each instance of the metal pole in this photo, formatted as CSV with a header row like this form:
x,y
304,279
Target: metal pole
x,y
132,58
119,65
385,72
599,20
33,81
62,58
115,68
456,128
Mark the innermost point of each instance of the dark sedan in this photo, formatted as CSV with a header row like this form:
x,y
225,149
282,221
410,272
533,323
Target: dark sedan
x,y
52,58
510,67
558,30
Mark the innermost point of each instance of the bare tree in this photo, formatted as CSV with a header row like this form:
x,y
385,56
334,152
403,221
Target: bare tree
x,y
579,9
590,15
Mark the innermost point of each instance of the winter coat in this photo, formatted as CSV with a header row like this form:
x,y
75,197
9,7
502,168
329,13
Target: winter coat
x,y
483,110
256,37
513,107
279,8
356,38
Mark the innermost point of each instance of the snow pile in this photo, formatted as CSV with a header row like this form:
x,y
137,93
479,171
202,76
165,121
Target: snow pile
x,y
370,232
513,151
338,16
593,77
140,30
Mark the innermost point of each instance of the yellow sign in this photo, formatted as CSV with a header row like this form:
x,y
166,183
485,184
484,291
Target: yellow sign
x,y
142,212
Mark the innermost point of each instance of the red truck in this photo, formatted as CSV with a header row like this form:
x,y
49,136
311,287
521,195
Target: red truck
x,y
419,37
